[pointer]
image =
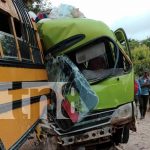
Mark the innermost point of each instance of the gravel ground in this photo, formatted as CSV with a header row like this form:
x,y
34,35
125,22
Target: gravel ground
x,y
140,140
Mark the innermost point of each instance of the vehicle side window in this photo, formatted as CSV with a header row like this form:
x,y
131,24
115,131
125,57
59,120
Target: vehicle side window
x,y
37,56
111,53
23,44
24,50
93,57
100,59
7,40
18,41
28,43
8,45
123,62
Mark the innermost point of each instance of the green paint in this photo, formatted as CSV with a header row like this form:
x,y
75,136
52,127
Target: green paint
x,y
115,91
112,92
55,31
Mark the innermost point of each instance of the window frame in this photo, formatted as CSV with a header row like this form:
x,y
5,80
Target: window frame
x,y
13,34
117,54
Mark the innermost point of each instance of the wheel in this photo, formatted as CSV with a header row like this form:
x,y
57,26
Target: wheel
x,y
121,135
125,133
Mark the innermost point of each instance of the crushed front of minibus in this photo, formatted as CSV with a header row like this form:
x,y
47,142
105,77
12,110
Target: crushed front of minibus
x,y
95,67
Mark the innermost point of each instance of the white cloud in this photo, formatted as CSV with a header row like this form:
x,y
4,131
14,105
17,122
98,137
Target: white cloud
x,y
137,27
126,13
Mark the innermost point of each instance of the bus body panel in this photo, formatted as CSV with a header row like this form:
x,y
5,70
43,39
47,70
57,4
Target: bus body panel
x,y
24,91
115,91
14,74
27,108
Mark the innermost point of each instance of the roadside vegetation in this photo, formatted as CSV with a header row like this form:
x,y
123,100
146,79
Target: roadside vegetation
x,y
140,51
38,5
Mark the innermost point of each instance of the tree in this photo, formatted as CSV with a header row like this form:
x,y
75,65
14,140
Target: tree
x,y
133,43
29,2
38,5
141,58
146,42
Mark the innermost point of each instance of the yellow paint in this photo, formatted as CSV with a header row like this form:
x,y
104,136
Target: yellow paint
x,y
8,74
12,95
12,129
15,123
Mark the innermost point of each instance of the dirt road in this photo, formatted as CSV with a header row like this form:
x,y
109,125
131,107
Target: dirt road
x,y
141,139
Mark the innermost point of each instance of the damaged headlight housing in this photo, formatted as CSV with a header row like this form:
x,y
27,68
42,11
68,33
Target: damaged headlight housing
x,y
122,113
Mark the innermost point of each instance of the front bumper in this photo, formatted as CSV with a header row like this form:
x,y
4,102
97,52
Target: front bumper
x,y
95,126
103,135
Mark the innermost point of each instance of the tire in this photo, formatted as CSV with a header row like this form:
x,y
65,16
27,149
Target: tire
x,y
121,135
125,133
117,136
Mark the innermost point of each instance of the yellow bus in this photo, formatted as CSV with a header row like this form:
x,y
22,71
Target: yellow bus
x,y
21,67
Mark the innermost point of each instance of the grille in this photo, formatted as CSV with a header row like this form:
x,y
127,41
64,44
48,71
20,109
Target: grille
x,y
92,121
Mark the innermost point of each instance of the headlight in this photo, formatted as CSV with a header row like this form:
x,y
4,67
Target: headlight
x,y
122,113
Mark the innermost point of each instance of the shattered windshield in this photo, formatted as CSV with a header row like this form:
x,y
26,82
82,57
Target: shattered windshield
x,y
93,62
98,60
76,91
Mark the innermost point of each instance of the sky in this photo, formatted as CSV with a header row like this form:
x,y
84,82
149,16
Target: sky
x,y
131,15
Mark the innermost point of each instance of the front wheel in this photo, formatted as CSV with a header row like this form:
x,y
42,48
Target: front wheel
x,y
121,135
125,133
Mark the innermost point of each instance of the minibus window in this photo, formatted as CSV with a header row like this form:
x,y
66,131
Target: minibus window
x,y
99,60
96,61
123,63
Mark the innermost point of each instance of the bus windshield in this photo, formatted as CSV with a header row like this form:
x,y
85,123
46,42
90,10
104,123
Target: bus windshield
x,y
99,60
